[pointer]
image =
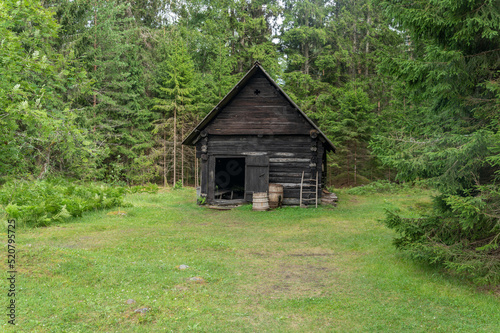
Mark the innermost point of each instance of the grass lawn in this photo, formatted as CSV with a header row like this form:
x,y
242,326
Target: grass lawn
x,y
287,270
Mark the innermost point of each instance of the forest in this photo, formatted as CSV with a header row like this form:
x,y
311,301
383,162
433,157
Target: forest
x,y
407,90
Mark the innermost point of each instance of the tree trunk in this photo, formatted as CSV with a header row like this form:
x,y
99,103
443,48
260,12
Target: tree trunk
x,y
306,55
354,49
348,164
164,157
46,164
355,164
220,69
367,46
175,146
182,156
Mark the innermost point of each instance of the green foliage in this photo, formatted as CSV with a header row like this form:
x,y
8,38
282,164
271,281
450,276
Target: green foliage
x,y
178,185
469,247
303,32
148,188
455,43
174,104
41,203
85,84
143,169
117,110
450,133
453,162
380,186
201,200
38,87
175,77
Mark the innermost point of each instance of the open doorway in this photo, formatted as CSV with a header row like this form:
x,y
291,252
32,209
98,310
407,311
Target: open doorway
x,y
230,178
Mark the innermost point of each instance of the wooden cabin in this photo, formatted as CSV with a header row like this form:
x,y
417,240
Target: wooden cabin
x,y
255,136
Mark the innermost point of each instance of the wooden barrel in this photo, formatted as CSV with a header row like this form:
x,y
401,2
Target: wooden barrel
x,y
275,195
260,201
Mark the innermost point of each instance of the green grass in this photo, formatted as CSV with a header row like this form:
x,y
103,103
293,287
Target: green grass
x,y
287,270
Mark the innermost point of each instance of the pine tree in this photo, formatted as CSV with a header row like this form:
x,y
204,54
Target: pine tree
x,y
176,74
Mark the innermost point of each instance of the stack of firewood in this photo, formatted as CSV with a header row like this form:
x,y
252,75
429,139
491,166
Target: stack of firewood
x,y
328,198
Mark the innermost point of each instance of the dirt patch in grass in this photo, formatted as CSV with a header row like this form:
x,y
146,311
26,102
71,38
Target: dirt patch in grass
x,y
298,280
291,275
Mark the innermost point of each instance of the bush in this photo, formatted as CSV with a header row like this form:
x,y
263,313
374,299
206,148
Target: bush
x,y
149,188
461,234
40,203
379,186
178,185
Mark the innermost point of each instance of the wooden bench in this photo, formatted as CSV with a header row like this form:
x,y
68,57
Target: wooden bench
x,y
220,193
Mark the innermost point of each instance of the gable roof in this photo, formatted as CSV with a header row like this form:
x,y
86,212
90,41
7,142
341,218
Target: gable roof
x,y
193,136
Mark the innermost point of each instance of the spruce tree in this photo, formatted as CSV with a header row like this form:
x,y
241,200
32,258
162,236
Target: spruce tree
x,y
452,70
38,86
175,76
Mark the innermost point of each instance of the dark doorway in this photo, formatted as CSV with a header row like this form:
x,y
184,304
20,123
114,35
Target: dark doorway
x,y
230,178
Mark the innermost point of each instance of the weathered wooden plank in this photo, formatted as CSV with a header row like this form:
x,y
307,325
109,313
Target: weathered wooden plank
x,y
241,149
291,201
263,92
291,147
257,122
250,112
295,202
288,174
245,102
256,125
255,151
284,180
259,113
295,193
259,88
256,175
291,169
241,123
302,166
261,131
211,178
259,74
285,138
261,107
204,177
289,160
284,154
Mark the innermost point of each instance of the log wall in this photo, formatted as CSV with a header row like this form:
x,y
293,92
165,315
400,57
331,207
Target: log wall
x,y
289,156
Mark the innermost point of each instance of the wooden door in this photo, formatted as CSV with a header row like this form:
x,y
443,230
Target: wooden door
x,y
256,175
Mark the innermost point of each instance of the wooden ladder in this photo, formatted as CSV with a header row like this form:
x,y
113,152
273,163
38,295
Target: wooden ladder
x,y
302,192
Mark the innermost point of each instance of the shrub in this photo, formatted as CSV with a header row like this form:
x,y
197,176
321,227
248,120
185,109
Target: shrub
x,y
178,185
461,234
379,186
149,188
40,203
